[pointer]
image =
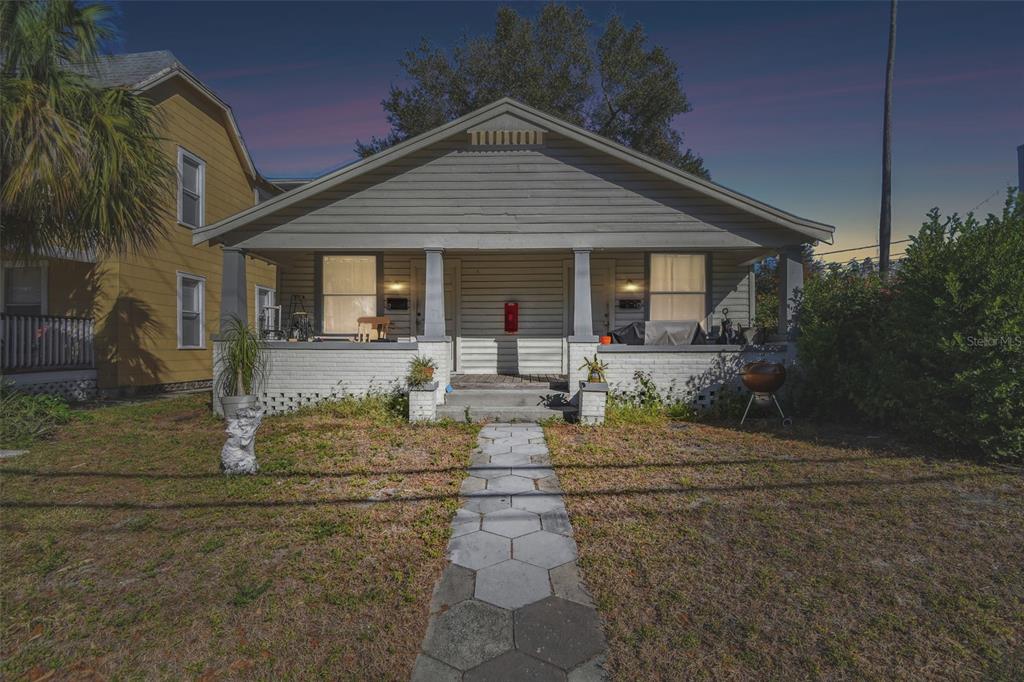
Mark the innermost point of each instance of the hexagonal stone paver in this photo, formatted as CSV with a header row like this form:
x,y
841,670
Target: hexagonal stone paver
x,y
536,501
479,549
511,459
510,484
548,484
456,584
489,471
464,522
514,666
567,583
556,521
558,631
472,484
511,523
431,670
484,502
468,634
512,584
544,549
533,471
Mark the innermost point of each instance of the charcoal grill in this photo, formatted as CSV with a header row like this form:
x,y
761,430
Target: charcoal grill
x,y
763,379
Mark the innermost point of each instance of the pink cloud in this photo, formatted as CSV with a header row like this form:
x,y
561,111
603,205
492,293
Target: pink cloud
x,y
315,126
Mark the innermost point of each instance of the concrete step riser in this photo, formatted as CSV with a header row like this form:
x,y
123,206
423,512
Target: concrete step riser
x,y
501,414
481,398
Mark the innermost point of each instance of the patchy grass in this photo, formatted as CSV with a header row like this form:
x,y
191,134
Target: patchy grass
x,y
717,553
125,553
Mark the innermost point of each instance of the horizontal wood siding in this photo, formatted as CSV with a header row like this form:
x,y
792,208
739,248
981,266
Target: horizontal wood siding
x,y
730,288
537,283
560,188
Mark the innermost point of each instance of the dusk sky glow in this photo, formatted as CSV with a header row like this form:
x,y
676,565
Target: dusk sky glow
x,y
787,97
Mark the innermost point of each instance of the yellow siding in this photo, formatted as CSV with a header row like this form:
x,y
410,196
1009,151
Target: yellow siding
x,y
138,326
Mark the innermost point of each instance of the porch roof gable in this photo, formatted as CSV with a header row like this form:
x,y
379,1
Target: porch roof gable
x,y
503,108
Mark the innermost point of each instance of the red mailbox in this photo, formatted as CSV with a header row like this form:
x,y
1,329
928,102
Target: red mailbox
x,y
511,317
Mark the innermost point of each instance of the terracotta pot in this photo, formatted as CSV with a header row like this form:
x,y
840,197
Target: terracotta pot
x,y
763,376
429,371
606,340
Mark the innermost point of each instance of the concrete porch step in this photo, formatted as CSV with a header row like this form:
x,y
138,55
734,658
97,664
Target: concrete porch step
x,y
506,413
506,397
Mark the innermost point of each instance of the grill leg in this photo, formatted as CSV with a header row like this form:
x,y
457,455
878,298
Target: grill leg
x,y
749,403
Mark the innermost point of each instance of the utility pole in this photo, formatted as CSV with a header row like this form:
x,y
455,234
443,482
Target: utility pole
x,y
885,216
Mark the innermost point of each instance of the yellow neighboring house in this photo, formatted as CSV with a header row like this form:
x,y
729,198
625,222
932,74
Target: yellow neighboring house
x,y
141,323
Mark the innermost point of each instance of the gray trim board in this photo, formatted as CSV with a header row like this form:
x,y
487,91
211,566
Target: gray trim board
x,y
342,345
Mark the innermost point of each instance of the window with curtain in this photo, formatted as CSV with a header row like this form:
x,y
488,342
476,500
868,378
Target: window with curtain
x,y
678,286
349,289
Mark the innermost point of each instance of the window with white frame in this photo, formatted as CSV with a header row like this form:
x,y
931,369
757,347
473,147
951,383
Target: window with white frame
x,y
24,289
266,314
191,311
191,189
679,286
349,289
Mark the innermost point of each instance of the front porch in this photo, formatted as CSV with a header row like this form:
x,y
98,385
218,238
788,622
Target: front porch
x,y
450,305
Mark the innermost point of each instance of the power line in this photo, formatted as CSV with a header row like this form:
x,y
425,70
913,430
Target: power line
x,y
859,248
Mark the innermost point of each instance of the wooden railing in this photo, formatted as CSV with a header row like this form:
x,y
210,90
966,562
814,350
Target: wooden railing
x,y
43,343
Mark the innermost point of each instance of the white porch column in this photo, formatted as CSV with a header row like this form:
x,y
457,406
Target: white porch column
x,y
433,303
582,312
233,293
434,343
582,343
791,282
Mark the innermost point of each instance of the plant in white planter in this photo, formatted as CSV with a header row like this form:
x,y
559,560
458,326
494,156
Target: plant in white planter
x,y
241,366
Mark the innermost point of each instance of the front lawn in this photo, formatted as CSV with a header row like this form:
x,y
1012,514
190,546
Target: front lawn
x,y
125,553
718,553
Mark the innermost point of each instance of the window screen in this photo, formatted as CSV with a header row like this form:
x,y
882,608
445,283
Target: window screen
x,y
190,313
191,190
678,286
349,292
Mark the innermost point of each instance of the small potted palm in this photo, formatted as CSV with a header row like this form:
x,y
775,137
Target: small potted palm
x,y
421,371
595,369
241,366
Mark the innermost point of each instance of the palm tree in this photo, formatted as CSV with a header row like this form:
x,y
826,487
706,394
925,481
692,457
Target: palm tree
x,y
885,219
82,168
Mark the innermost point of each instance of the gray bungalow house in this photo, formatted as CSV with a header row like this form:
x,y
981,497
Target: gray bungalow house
x,y
506,243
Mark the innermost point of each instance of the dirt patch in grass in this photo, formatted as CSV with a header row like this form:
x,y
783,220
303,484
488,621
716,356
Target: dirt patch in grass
x,y
718,553
125,553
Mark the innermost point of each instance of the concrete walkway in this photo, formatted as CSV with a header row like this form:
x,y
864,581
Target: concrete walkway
x,y
511,605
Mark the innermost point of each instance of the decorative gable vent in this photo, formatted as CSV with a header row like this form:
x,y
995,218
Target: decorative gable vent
x,y
506,137
506,130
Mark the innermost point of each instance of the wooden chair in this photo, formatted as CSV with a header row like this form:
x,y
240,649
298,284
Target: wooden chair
x,y
372,328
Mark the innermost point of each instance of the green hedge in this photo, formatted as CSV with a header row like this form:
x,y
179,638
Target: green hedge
x,y
936,352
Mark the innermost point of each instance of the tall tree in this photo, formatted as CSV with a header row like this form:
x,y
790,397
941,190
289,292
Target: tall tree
x,y
82,168
885,217
548,63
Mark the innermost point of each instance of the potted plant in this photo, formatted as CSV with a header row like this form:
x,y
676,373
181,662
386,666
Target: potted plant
x,y
595,370
421,371
241,366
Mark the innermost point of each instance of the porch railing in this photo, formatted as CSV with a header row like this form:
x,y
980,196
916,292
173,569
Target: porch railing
x,y
44,343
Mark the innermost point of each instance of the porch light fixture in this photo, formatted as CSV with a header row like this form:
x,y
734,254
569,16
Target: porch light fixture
x,y
631,286
395,286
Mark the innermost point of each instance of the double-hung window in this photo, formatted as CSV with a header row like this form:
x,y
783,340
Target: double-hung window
x,y
267,317
679,287
191,311
191,189
24,290
349,289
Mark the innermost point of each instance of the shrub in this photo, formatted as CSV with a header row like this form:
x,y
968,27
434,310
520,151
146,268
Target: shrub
x,y
645,404
937,352
25,419
379,407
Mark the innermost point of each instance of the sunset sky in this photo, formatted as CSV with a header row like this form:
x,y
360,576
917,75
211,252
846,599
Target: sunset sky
x,y
787,97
